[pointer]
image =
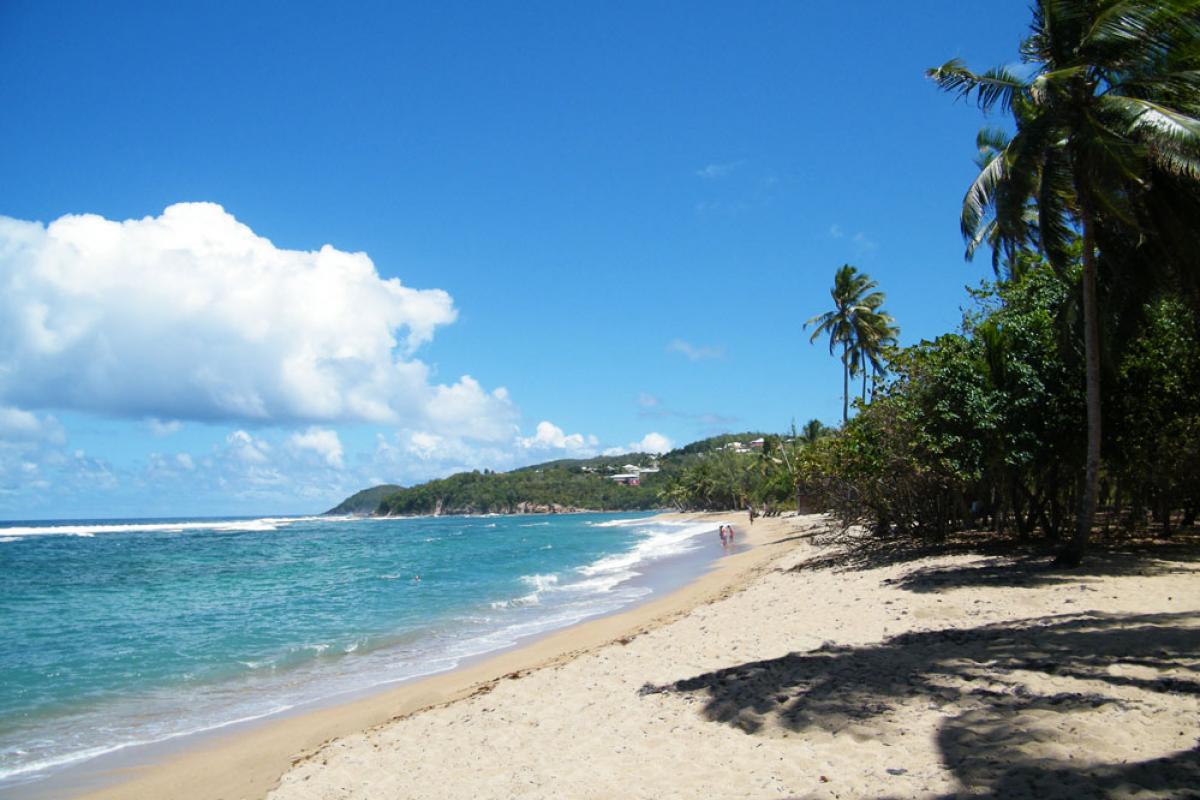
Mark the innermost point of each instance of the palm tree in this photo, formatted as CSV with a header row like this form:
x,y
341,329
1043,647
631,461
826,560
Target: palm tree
x,y
1106,123
812,431
874,332
851,295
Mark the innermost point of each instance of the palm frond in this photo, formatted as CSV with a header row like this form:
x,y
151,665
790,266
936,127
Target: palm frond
x,y
1131,32
997,85
1172,138
1055,231
981,194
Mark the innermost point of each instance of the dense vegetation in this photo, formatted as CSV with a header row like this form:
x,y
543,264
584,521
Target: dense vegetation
x,y
366,501
563,485
1091,207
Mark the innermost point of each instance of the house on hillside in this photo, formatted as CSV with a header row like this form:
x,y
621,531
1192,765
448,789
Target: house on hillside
x,y
757,444
627,478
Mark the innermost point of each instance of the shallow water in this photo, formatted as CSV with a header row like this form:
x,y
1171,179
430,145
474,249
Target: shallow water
x,y
120,633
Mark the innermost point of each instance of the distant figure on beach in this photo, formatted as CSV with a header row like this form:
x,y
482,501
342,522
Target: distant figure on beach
x,y
750,511
729,533
722,535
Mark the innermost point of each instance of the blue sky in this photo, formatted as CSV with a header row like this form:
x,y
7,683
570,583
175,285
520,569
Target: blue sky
x,y
614,218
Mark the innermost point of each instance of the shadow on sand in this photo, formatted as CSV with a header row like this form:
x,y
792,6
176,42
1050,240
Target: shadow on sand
x,y
980,678
1007,562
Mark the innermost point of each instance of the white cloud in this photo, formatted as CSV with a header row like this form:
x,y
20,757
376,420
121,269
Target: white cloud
x,y
551,437
693,352
647,400
192,316
160,427
719,170
17,425
650,443
245,448
836,231
321,441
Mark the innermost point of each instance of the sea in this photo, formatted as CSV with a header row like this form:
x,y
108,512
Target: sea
x,y
117,634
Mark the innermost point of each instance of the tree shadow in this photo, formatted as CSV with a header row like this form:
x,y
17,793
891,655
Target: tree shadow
x,y
979,679
856,549
1031,571
1010,562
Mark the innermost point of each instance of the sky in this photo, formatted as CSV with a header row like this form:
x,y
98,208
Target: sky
x,y
257,256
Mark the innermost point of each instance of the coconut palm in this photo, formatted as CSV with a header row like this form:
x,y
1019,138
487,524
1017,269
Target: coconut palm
x,y
851,295
812,431
874,332
1105,124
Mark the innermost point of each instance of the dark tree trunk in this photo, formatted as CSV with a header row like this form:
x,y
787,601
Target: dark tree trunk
x,y
1072,553
846,385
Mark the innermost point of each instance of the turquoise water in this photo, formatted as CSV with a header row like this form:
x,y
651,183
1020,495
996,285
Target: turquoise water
x,y
117,633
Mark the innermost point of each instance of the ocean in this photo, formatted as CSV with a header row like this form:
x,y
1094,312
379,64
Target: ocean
x,y
118,633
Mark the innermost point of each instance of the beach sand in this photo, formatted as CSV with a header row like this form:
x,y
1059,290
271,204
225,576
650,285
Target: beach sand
x,y
796,669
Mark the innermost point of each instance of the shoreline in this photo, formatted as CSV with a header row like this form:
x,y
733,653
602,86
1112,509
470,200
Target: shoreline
x,y
248,760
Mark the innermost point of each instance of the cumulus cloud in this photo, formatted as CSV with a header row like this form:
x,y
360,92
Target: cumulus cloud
x,y
190,315
320,441
551,437
694,352
17,425
247,449
650,443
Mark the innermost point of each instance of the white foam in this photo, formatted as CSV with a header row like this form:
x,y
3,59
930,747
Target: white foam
x,y
540,582
83,755
662,539
618,523
91,528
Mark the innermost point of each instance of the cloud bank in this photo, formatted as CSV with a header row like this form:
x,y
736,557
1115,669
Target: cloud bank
x,y
190,315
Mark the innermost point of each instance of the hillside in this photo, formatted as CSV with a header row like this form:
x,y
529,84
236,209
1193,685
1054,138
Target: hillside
x,y
366,501
561,485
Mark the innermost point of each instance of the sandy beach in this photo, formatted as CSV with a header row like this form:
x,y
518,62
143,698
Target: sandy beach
x,y
803,667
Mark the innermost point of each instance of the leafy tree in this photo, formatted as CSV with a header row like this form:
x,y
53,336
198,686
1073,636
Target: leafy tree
x,y
1110,108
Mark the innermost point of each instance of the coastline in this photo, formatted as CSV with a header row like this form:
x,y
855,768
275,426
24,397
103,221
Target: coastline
x,y
248,762
845,666
810,665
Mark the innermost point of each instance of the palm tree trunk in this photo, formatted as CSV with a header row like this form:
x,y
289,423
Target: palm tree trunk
x,y
864,393
1072,554
846,385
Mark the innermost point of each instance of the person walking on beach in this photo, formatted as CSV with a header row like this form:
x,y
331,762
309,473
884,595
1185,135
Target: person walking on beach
x,y
729,534
722,536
